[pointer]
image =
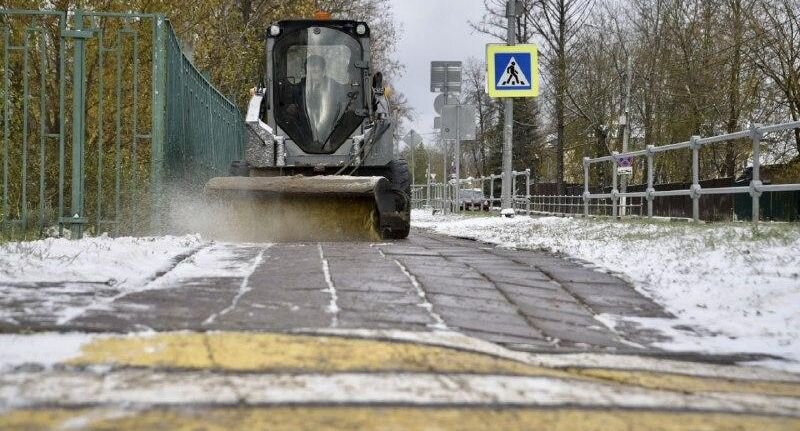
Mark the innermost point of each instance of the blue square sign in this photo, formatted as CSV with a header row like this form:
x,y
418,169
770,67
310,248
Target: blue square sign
x,y
512,70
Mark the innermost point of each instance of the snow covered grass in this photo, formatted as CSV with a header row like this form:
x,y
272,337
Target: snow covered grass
x,y
118,261
56,280
734,288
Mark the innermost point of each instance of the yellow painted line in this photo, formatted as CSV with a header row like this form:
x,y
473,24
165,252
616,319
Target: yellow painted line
x,y
385,419
567,360
265,352
273,353
684,383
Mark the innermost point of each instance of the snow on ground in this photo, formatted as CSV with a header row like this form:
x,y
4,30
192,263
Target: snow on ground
x,y
42,349
58,279
733,288
119,261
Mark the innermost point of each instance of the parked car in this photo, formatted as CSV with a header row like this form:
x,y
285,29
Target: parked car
x,y
473,200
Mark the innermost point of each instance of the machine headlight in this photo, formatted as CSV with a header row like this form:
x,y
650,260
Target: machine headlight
x,y
274,30
361,29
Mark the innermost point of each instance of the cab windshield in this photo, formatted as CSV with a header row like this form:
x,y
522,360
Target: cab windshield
x,y
318,89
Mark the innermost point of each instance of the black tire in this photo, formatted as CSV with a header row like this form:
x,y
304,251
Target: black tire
x,y
399,176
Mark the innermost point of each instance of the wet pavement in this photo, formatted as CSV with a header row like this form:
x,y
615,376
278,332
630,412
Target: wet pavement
x,y
520,299
429,333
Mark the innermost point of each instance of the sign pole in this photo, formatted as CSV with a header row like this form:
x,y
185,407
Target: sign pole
x,y
458,158
508,129
445,202
441,77
413,166
428,180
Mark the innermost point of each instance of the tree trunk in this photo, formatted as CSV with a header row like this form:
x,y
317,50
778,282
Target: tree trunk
x,y
245,7
796,131
733,87
561,93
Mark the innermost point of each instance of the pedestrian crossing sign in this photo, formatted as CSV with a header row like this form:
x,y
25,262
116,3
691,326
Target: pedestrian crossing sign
x,y
513,71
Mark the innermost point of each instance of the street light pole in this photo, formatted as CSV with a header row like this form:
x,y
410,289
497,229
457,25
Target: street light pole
x,y
508,129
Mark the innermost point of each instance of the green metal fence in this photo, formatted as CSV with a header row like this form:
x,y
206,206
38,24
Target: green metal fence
x,y
102,113
205,131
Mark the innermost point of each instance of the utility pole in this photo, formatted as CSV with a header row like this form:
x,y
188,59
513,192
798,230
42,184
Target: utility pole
x,y
626,129
508,129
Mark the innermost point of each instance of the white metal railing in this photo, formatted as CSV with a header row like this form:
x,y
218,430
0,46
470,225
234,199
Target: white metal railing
x,y
432,195
755,188
573,204
522,201
439,196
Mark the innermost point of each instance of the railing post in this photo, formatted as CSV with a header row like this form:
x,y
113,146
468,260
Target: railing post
x,y
755,182
650,176
513,189
159,135
428,183
586,187
614,191
6,103
491,191
78,125
528,188
695,190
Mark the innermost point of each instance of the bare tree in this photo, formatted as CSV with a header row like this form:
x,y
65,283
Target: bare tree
x,y
776,24
557,23
486,110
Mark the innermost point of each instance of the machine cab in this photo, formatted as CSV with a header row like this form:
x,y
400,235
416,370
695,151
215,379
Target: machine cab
x,y
318,82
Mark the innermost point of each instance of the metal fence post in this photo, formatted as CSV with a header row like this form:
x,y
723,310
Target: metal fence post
x,y
695,190
483,187
513,189
6,72
614,191
755,182
650,175
78,125
528,189
428,183
491,191
159,113
586,187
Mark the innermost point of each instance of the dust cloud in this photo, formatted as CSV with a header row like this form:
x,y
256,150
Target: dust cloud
x,y
256,217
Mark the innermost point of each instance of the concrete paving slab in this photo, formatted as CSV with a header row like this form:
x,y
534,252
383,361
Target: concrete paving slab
x,y
617,288
456,301
428,280
571,333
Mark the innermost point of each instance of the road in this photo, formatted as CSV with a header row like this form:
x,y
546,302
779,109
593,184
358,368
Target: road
x,y
367,335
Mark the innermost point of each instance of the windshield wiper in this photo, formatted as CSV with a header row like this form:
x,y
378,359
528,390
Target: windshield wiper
x,y
352,96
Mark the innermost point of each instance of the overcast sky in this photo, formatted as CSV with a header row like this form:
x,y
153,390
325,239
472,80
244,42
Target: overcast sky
x,y
434,30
